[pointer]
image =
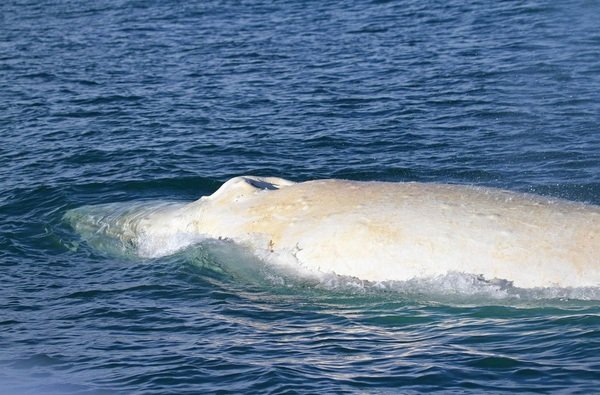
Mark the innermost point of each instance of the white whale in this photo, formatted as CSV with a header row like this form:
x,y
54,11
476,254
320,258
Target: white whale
x,y
379,231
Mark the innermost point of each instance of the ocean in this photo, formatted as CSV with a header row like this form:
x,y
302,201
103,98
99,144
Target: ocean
x,y
127,102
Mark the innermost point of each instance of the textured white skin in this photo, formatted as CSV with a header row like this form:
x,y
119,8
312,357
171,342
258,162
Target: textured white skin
x,y
381,231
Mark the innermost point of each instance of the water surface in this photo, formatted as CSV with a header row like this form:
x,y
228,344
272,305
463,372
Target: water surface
x,y
136,101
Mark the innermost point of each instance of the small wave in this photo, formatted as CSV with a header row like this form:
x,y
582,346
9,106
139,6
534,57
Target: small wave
x,y
448,289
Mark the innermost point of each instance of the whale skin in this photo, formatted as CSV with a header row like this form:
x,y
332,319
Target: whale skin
x,y
380,231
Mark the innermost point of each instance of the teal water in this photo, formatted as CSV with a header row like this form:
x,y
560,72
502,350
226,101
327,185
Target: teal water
x,y
134,101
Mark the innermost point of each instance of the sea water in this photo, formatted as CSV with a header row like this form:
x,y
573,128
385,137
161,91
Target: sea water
x,y
133,102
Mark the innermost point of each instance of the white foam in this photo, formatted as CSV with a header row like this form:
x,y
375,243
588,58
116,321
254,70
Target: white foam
x,y
453,287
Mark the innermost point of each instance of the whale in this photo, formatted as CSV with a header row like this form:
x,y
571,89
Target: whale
x,y
381,231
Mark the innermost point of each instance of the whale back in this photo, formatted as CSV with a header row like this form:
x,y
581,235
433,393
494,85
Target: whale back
x,y
379,231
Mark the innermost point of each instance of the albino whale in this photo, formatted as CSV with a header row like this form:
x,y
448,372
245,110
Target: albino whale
x,y
380,231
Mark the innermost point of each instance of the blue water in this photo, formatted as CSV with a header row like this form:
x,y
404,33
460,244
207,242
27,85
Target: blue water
x,y
132,101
